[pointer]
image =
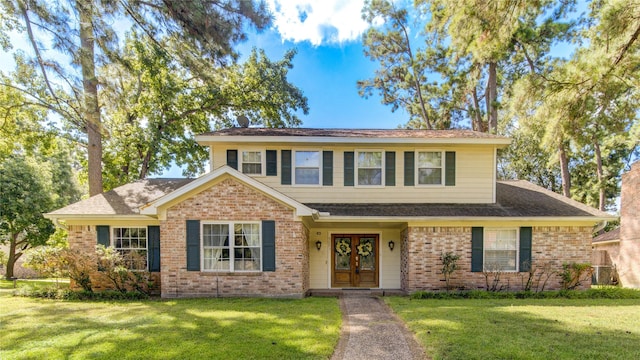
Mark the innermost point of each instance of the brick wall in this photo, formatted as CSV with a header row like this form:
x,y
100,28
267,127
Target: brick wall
x,y
627,262
422,267
231,200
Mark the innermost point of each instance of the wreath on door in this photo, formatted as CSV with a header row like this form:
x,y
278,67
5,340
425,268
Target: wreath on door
x,y
365,249
343,247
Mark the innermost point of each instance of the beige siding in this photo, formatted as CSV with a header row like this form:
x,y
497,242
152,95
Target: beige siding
x,y
320,261
474,177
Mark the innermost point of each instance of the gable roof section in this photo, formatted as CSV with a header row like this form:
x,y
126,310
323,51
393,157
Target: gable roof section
x,y
124,200
381,136
515,200
204,181
143,198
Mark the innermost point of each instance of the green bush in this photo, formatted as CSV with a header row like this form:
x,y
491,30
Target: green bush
x,y
595,293
67,294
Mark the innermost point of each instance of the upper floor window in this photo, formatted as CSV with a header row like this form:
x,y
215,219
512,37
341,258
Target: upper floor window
x,y
131,242
307,168
252,162
369,167
429,168
500,249
231,246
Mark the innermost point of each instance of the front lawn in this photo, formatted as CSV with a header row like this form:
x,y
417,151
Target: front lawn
x,y
524,329
167,329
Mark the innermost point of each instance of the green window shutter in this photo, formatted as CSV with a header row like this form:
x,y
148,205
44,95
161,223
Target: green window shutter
x,y
390,168
327,168
285,176
153,243
525,248
268,245
409,168
232,158
193,245
104,235
450,168
348,168
272,162
477,234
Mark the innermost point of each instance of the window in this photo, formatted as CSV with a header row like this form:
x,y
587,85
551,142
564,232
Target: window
x,y
131,242
369,165
231,246
429,168
501,250
252,162
307,168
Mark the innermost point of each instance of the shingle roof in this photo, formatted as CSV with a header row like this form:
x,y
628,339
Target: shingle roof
x,y
514,199
608,236
355,133
123,200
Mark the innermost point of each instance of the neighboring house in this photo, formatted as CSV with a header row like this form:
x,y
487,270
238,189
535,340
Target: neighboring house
x,y
620,248
287,212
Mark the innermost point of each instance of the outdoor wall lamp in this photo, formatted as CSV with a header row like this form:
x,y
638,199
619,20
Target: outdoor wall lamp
x,y
391,245
318,245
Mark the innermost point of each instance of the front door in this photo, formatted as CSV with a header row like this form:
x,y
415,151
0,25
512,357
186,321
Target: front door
x,y
355,261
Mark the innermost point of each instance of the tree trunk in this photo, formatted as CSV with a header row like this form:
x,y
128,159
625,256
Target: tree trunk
x,y
491,98
90,109
564,170
477,116
11,260
600,174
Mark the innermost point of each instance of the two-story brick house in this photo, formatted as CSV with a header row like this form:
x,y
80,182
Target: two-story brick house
x,y
284,212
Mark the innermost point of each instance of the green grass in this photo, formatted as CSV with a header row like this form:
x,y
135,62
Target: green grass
x,y
35,284
161,329
524,329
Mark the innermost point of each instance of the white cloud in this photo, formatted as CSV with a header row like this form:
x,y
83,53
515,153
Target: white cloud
x,y
324,21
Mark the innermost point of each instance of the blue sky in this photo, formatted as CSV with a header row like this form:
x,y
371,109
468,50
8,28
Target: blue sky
x,y
330,60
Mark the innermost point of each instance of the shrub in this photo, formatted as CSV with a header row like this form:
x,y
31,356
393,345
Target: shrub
x,y
67,294
449,265
610,292
116,268
52,261
574,274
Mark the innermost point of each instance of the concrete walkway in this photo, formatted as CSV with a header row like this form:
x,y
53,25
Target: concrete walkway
x,y
370,330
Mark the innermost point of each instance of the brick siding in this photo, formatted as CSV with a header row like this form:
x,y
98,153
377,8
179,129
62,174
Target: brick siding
x,y
231,200
627,261
422,246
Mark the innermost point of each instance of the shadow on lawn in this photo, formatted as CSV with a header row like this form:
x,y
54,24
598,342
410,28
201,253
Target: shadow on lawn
x,y
540,330
190,328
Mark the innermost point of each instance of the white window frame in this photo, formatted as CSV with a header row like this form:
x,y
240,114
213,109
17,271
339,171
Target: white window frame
x,y
293,168
262,161
417,167
232,247
121,249
517,245
357,168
